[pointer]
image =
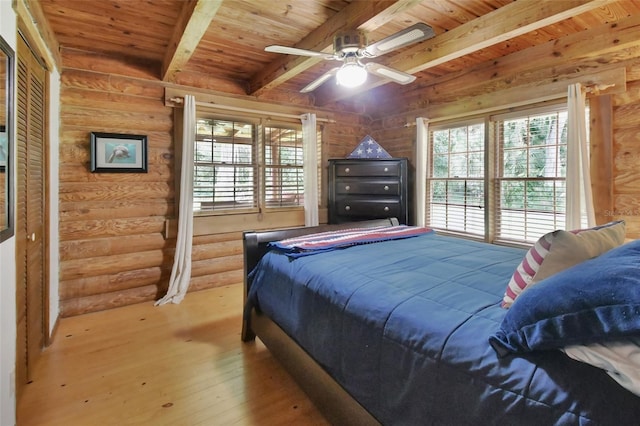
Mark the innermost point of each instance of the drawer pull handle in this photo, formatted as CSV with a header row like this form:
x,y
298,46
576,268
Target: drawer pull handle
x,y
347,208
386,187
386,209
347,187
386,169
347,170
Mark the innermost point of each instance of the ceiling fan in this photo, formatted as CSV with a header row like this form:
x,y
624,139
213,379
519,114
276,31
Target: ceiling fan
x,y
351,48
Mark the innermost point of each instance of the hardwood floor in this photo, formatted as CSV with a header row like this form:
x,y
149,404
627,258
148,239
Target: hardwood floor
x,y
168,365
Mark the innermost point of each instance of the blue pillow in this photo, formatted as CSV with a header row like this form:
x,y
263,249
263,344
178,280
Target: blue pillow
x,y
595,301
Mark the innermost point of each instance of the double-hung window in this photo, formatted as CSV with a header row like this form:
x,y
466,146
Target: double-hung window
x,y
245,166
225,174
456,185
530,174
519,195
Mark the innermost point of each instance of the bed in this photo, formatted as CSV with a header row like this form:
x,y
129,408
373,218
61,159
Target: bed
x,y
406,331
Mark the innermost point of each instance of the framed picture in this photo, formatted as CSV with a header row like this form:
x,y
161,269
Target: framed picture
x,y
4,148
118,153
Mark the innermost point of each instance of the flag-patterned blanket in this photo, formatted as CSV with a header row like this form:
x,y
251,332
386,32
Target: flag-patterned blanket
x,y
326,241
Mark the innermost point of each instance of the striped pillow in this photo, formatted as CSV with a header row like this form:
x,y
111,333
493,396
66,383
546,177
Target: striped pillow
x,y
527,269
559,250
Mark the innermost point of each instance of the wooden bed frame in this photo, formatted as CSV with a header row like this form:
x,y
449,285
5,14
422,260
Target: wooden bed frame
x,y
331,399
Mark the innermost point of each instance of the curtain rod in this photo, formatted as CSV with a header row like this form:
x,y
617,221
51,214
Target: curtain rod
x,y
250,110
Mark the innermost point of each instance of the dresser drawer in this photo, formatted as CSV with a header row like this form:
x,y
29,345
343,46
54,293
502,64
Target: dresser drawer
x,y
368,168
370,186
374,208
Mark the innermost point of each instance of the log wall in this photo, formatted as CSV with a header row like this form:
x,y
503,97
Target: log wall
x,y
113,250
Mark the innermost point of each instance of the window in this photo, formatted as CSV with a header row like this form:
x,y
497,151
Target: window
x,y
530,176
456,184
526,181
244,166
225,168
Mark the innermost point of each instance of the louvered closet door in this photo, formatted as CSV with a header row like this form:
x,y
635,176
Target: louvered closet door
x,y
30,221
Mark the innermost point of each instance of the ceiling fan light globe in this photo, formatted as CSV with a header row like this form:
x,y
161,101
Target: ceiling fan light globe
x,y
351,75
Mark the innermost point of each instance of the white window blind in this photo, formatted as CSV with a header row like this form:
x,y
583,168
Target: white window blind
x,y
456,179
225,167
243,166
284,178
530,177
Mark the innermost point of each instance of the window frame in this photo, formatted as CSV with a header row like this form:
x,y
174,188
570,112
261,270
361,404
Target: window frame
x,y
529,233
260,124
255,207
493,172
431,179
298,167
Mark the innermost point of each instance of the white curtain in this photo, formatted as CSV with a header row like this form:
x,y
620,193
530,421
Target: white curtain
x,y
310,169
579,196
422,164
181,271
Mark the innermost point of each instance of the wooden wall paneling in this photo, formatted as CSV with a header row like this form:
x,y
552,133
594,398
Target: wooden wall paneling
x,y
114,282
78,268
220,279
626,154
96,247
93,210
216,265
112,251
113,247
601,153
103,301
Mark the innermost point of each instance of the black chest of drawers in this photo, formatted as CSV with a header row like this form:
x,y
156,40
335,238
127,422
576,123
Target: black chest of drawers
x,y
361,189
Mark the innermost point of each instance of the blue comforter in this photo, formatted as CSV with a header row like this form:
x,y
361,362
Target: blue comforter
x,y
403,326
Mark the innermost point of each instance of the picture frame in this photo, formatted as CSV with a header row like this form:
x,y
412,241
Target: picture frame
x,y
4,148
118,153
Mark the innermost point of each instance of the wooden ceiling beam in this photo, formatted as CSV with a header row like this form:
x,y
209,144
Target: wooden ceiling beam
x,y
195,18
503,24
363,15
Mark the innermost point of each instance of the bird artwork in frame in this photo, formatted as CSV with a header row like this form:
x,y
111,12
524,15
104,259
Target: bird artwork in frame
x,y
118,153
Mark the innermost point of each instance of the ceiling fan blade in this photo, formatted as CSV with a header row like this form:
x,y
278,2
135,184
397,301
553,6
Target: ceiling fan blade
x,y
413,34
390,73
319,81
295,51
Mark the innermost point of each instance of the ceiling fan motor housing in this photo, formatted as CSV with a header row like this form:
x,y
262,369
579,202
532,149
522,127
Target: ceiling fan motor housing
x,y
349,41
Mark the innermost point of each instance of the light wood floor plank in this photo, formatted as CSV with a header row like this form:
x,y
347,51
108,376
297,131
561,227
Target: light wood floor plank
x,y
169,365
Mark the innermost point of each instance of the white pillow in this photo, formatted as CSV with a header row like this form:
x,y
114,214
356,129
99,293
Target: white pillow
x,y
620,359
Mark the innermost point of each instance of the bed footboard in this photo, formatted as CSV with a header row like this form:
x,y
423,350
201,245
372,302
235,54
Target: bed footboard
x,y
338,407
331,399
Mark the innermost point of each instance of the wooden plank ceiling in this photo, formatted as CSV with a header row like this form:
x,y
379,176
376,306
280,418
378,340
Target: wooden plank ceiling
x,y
222,41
